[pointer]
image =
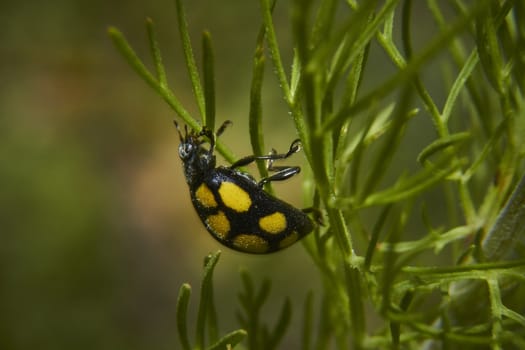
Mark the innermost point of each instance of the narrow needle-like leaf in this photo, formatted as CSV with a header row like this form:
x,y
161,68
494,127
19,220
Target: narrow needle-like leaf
x,y
209,80
182,319
190,58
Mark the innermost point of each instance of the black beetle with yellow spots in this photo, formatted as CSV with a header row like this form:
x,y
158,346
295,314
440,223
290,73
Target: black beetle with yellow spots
x,y
232,205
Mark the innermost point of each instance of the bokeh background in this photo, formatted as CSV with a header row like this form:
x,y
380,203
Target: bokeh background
x,y
97,227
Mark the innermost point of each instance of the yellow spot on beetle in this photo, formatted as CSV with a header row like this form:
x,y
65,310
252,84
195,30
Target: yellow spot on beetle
x,y
219,224
250,243
205,196
235,197
288,241
273,223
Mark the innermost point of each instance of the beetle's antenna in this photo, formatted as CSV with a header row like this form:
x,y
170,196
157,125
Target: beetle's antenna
x,y
178,130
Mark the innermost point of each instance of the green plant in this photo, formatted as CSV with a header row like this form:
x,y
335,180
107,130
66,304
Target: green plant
x,y
475,296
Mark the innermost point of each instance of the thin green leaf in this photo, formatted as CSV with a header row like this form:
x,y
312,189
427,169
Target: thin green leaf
x,y
354,150
155,53
481,270
131,57
182,319
229,341
247,284
489,52
518,318
264,292
409,187
324,22
301,29
255,115
441,128
190,58
474,84
389,263
377,124
441,144
281,326
433,241
351,49
395,327
485,152
355,77
374,237
458,85
306,117
325,322
295,76
308,321
205,297
300,13
252,302
266,7
208,59
213,327
405,28
395,334
387,42
390,144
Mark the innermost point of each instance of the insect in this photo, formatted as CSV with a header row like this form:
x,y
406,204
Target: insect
x,y
232,204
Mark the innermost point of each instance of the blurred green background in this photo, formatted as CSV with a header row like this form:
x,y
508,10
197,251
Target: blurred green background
x,y
98,231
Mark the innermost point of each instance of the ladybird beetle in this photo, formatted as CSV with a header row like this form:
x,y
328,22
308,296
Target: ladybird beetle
x,y
232,205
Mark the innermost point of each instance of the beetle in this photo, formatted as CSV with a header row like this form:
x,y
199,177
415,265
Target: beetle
x,y
232,205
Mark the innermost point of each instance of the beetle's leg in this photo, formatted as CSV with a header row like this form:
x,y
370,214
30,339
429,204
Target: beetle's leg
x,y
294,148
281,172
213,136
317,214
223,127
